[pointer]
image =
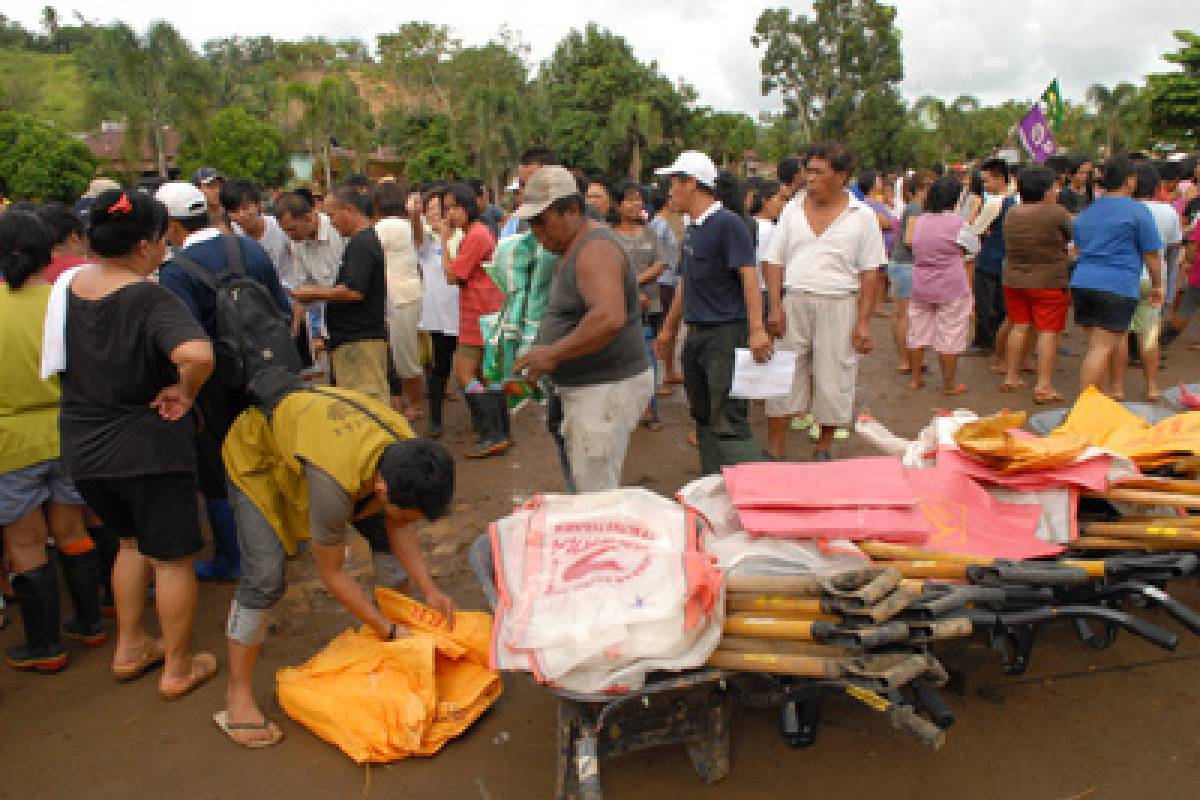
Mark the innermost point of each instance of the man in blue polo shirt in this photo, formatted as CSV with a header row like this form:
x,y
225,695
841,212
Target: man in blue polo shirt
x,y
191,232
719,299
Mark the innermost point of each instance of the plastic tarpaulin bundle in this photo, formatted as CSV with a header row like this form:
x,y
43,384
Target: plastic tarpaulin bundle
x,y
1105,423
860,498
597,590
522,269
738,553
998,442
380,701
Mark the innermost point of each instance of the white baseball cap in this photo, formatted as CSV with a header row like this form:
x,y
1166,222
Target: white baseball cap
x,y
183,200
694,164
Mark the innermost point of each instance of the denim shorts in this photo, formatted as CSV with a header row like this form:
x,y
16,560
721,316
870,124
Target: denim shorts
x,y
22,490
1095,308
900,276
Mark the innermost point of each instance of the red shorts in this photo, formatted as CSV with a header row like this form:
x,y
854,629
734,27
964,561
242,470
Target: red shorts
x,y
1047,308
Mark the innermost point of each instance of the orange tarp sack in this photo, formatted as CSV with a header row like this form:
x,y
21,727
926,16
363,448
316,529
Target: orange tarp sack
x,y
1106,423
997,442
381,701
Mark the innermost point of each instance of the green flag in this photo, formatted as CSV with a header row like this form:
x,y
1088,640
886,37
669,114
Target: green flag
x,y
1052,97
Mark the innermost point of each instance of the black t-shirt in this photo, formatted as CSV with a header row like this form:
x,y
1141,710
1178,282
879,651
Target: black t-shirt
x,y
1071,200
713,254
363,270
1191,212
118,359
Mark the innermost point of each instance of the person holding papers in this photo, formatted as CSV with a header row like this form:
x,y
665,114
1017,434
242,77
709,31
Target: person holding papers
x,y
826,250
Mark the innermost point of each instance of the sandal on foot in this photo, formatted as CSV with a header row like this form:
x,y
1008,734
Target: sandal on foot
x,y
1046,398
207,664
1008,388
152,657
664,391
274,734
954,391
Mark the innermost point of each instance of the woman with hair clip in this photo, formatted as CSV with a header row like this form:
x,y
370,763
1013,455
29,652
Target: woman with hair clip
x,y
37,500
135,360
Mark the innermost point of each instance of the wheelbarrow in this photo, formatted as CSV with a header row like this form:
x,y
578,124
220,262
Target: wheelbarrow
x,y
689,708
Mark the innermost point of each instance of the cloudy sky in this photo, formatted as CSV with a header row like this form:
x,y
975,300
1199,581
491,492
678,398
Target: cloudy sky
x,y
992,50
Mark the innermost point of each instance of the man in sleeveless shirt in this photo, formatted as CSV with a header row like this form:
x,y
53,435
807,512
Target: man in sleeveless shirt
x,y
590,341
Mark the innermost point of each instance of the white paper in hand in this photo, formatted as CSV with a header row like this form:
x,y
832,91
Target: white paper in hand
x,y
754,381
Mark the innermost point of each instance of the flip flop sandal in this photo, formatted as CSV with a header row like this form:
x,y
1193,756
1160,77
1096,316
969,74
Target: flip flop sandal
x,y
1008,388
221,718
208,668
1047,398
151,658
664,391
955,391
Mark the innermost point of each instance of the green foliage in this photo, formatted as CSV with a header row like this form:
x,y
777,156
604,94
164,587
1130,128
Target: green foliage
x,y
838,71
243,146
1174,97
40,162
432,150
42,84
590,75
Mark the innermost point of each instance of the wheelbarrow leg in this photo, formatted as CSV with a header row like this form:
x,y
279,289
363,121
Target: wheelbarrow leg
x,y
710,755
577,765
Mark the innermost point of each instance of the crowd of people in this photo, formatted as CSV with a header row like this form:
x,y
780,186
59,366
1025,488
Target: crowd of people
x,y
273,352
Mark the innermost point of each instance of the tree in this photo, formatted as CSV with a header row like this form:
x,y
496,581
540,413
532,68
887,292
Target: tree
x,y
632,125
1175,96
827,65
426,140
333,114
1117,111
416,54
589,74
151,82
40,162
725,136
242,146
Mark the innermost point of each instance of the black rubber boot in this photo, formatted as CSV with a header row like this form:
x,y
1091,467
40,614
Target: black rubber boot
x,y
37,596
435,401
107,545
83,584
503,420
477,406
492,419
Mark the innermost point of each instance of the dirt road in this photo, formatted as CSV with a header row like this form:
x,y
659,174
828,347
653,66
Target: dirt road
x,y
1123,723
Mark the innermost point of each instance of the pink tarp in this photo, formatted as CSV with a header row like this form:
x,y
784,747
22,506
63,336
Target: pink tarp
x,y
949,512
902,525
852,483
966,519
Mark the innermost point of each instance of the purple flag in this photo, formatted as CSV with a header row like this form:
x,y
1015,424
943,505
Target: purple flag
x,y
1036,135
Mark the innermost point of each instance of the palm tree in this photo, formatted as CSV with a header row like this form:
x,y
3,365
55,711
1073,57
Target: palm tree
x,y
1112,108
491,122
332,110
633,124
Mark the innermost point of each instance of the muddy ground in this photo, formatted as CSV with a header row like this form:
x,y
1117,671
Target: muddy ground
x,y
1121,723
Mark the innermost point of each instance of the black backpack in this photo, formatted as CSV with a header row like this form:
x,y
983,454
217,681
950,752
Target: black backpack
x,y
252,333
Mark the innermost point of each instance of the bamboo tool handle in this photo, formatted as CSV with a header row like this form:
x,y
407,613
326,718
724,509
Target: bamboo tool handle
x,y
1176,522
778,663
886,550
769,628
803,585
1148,497
1102,543
774,603
733,644
937,570
1182,537
1178,485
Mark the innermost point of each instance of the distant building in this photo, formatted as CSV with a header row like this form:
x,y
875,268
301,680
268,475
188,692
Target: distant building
x,y
110,149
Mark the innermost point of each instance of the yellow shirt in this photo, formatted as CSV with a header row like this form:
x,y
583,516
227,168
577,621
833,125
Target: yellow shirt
x,y
267,461
28,405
